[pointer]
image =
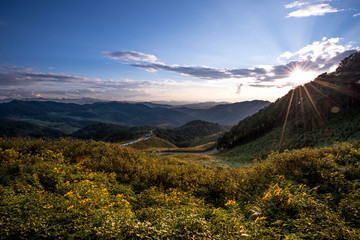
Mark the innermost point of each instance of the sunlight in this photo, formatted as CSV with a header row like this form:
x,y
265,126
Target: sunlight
x,y
300,77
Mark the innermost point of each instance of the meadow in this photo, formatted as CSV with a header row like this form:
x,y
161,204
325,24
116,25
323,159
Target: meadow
x,y
77,189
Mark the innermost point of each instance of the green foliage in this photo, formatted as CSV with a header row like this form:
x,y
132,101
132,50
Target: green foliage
x,y
12,128
66,188
184,136
110,132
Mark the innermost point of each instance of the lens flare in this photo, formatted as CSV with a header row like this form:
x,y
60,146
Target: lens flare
x,y
299,76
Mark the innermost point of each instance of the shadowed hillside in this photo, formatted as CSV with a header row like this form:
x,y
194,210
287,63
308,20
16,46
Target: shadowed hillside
x,y
70,117
318,113
11,128
183,136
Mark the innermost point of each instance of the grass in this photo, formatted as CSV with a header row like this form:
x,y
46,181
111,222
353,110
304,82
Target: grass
x,y
257,149
155,144
204,140
261,147
200,148
152,144
67,189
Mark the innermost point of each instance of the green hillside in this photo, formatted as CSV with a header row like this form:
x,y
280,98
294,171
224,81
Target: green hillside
x,y
13,128
189,134
75,189
185,135
110,132
319,113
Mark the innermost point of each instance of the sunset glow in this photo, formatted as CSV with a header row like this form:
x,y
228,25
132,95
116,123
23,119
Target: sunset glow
x,y
171,50
300,77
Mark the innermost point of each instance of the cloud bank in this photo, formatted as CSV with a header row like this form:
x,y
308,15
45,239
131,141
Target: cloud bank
x,y
218,84
22,83
307,9
319,56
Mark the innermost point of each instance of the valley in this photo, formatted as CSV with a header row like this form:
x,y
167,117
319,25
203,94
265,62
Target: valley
x,y
286,170
180,120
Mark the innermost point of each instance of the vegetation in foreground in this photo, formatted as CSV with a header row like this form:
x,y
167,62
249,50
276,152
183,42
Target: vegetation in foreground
x,y
67,189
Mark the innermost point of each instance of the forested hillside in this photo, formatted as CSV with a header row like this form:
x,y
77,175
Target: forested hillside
x,y
182,136
13,128
321,112
110,132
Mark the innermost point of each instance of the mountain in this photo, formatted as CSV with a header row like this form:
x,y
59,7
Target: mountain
x,y
318,113
226,114
202,105
11,128
70,117
110,132
61,100
183,135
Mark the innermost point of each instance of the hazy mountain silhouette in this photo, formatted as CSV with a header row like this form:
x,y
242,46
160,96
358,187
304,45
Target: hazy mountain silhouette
x,y
69,117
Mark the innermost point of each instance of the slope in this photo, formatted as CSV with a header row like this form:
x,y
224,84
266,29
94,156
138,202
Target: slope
x,y
184,135
76,189
110,132
318,113
12,128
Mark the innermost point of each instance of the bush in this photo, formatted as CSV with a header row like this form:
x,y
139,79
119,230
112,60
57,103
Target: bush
x,y
91,190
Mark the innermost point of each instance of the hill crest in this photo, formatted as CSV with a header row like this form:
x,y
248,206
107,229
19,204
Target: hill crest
x,y
322,111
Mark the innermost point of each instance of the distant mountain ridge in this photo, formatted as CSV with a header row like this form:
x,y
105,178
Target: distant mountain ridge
x,y
180,136
69,117
227,114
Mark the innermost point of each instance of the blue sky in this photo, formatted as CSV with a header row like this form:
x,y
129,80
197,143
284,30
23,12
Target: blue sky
x,y
189,50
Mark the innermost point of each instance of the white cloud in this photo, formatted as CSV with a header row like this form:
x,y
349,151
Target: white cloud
x,y
131,56
325,49
286,55
317,57
307,9
357,14
296,4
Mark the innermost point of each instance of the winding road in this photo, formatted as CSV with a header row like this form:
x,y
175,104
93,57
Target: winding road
x,y
135,141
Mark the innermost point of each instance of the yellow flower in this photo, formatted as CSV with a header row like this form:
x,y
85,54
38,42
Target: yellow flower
x,y
259,219
267,195
69,207
68,193
230,202
215,210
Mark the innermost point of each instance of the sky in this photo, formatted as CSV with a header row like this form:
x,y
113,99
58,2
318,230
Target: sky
x,y
161,50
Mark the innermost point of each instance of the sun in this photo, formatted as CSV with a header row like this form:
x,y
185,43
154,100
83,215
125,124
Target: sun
x,y
300,77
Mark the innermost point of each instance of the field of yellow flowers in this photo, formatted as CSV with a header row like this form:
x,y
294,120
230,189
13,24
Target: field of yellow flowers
x,y
67,189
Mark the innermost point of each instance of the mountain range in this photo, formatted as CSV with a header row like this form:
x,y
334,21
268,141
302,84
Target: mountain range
x,y
70,117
